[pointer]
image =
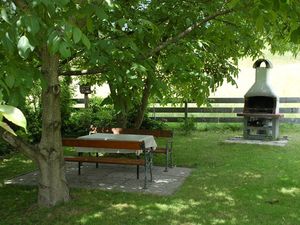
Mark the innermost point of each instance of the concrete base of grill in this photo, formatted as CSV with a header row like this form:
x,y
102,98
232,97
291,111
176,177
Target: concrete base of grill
x,y
240,140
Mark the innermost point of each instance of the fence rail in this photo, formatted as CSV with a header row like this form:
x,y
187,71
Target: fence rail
x,y
222,114
289,106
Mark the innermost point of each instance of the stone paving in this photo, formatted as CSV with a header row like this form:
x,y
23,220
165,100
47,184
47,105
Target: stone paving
x,y
116,177
240,140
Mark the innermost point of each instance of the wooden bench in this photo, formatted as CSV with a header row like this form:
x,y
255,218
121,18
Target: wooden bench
x,y
167,149
111,144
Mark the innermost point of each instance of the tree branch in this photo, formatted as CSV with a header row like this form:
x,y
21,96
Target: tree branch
x,y
181,35
82,72
22,5
160,47
19,144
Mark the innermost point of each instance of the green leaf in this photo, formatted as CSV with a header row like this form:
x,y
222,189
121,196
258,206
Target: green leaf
x,y
8,44
86,41
90,25
55,44
138,67
14,115
54,41
10,80
32,24
233,3
101,14
260,23
24,46
4,15
7,128
107,101
121,22
64,50
62,2
4,86
295,36
76,35
68,30
133,46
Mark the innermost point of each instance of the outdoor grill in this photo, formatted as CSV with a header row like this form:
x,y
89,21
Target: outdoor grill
x,y
261,106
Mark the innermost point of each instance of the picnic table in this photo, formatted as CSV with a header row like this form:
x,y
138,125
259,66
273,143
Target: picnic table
x,y
114,143
147,139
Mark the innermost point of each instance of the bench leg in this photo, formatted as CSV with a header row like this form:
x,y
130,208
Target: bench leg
x,y
167,160
137,169
97,164
146,154
150,165
171,155
79,163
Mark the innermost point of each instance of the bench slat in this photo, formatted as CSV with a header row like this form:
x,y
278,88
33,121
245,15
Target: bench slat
x,y
106,160
155,133
111,144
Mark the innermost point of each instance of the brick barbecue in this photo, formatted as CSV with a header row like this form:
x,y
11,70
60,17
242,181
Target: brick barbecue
x,y
261,106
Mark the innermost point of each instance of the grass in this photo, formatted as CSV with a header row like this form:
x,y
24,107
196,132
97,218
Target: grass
x,y
230,184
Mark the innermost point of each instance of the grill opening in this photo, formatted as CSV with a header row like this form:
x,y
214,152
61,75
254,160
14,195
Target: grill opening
x,y
260,104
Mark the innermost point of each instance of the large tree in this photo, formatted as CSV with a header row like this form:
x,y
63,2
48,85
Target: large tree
x,y
141,48
167,49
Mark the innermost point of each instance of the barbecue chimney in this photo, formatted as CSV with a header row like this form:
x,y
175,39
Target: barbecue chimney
x,y
261,108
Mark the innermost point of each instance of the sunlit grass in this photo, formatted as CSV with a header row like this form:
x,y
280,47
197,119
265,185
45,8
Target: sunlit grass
x,y
230,184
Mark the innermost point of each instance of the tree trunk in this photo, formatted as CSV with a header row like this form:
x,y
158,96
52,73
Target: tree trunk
x,y
53,187
120,106
143,106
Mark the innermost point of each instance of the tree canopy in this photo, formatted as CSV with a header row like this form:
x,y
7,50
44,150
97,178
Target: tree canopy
x,y
141,48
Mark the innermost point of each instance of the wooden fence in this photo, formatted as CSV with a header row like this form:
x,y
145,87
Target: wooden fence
x,y
222,110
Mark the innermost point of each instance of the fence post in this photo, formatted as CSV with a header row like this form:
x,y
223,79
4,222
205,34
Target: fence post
x,y
86,101
185,111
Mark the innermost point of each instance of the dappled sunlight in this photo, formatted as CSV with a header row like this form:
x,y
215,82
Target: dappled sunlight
x,y
86,219
218,221
293,191
178,206
247,175
259,197
222,197
123,206
238,185
19,160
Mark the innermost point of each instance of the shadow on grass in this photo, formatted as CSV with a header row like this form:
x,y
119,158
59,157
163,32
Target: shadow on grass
x,y
231,184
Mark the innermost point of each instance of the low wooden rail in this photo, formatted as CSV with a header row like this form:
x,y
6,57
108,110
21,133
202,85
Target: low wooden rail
x,y
227,107
219,112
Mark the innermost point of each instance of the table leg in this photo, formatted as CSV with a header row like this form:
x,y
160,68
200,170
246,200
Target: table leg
x,y
97,164
138,169
79,163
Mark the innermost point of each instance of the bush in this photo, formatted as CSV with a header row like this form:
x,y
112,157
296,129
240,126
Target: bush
x,y
148,123
187,125
152,124
5,148
80,120
220,127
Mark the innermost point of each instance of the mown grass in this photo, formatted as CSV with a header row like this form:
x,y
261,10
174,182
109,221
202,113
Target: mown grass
x,y
230,184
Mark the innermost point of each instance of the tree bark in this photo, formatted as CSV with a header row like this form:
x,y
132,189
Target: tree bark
x,y
120,107
144,102
53,187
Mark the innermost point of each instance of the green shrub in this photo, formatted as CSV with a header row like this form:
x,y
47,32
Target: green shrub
x,y
148,123
81,119
187,125
220,127
5,148
152,124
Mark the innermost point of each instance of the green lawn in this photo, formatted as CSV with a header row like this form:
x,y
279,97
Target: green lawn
x,y
230,184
